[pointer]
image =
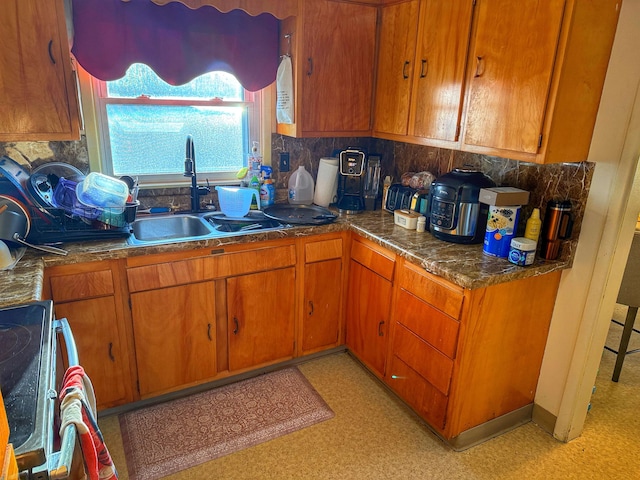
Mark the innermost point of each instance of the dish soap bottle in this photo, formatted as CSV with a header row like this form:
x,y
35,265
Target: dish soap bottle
x,y
532,230
255,164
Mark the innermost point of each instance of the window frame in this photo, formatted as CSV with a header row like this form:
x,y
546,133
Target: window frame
x,y
92,93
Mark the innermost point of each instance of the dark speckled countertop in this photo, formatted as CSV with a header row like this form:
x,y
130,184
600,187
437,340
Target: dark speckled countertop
x,y
464,265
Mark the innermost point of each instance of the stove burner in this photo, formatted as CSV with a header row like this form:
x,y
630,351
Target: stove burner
x,y
14,338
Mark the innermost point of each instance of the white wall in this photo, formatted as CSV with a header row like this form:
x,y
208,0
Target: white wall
x,y
587,291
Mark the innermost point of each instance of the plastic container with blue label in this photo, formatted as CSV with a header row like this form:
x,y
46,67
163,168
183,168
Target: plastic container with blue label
x,y
522,251
502,223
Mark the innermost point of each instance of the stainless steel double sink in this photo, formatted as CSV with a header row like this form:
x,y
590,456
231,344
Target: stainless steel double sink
x,y
181,227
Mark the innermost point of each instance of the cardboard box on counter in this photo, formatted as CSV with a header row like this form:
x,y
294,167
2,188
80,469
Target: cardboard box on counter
x,y
500,196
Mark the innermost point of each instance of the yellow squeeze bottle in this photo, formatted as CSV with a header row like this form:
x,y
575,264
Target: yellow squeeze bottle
x,y
532,230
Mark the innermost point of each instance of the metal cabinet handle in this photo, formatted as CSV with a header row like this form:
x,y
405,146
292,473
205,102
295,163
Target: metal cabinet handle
x,y
404,69
111,357
310,307
237,326
51,57
310,71
209,331
424,68
479,66
380,332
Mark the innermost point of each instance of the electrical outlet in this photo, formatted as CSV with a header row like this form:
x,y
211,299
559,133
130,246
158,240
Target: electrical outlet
x,y
284,161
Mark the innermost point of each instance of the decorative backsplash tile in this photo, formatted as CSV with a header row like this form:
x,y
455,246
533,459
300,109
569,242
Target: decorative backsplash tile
x,y
568,181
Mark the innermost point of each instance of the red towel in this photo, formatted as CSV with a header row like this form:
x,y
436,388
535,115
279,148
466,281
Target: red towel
x,y
75,409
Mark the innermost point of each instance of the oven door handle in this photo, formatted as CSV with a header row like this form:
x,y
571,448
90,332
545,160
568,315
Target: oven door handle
x,y
62,325
60,466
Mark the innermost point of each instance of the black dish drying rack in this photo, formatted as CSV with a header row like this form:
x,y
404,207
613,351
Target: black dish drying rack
x,y
55,225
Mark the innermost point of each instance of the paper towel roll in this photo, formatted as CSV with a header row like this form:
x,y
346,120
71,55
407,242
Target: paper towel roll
x,y
327,182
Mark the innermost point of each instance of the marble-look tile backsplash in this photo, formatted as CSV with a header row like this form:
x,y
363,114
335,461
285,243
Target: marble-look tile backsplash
x,y
570,181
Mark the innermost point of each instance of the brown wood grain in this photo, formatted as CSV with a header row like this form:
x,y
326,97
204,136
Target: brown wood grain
x,y
81,285
503,334
175,336
367,316
429,323
396,67
98,340
438,292
510,69
322,305
37,86
443,42
261,311
380,260
323,250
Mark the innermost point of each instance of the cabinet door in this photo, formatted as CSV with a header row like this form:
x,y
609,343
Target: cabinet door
x,y
321,321
368,308
339,57
174,330
396,67
510,70
260,309
37,92
95,330
442,45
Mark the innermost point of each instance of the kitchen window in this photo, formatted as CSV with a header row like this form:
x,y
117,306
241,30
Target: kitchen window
x,y
142,124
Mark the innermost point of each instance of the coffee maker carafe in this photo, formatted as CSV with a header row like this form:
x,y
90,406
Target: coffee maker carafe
x,y
351,180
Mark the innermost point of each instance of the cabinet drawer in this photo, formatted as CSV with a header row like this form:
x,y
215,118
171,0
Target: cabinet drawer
x,y
81,285
373,259
429,323
435,367
425,399
182,272
169,274
443,295
253,261
323,250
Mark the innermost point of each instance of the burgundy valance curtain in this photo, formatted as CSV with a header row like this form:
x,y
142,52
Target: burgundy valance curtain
x,y
178,43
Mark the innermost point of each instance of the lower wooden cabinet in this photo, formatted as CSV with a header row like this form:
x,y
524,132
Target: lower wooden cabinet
x,y
321,317
369,304
462,358
175,337
88,295
99,348
260,310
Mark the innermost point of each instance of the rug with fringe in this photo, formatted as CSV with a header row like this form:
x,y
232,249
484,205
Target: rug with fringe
x,y
166,438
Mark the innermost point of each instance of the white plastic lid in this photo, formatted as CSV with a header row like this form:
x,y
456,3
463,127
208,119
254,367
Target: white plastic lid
x,y
524,244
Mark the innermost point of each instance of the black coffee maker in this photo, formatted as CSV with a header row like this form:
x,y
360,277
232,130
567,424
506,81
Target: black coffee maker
x,y
351,180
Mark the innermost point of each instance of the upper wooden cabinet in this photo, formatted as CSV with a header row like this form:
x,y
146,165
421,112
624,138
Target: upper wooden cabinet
x,y
532,85
37,88
332,47
421,67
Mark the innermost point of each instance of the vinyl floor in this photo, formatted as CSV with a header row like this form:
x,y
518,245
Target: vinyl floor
x,y
374,436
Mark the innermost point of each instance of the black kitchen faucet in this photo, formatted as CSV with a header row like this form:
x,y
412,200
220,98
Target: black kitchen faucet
x,y
190,171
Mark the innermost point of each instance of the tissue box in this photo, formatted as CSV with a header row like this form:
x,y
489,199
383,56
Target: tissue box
x,y
502,196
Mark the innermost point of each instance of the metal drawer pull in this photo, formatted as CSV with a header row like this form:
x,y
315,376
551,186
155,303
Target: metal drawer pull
x,y
423,70
311,307
380,332
404,69
310,71
209,331
479,66
53,60
237,324
111,357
